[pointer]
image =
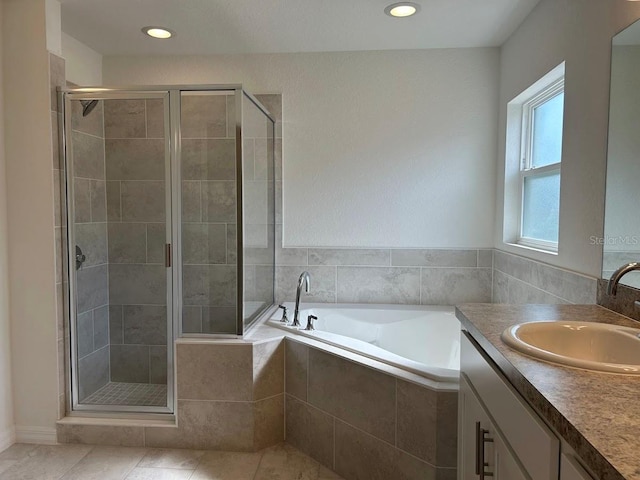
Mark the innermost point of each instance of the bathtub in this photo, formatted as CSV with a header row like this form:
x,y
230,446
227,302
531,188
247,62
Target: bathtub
x,y
424,340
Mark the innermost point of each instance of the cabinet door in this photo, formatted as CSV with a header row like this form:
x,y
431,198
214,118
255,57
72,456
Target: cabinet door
x,y
571,470
497,456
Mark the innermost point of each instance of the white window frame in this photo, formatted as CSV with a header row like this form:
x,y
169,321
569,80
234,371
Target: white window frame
x,y
518,157
526,165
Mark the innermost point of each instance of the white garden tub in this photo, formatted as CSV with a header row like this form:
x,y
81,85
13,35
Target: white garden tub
x,y
424,340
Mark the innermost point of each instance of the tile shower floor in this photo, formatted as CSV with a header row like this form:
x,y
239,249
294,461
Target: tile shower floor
x,y
84,462
130,394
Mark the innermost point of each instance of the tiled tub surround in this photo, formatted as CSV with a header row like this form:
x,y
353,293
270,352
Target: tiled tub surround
x,y
364,423
391,276
230,397
90,225
134,148
519,280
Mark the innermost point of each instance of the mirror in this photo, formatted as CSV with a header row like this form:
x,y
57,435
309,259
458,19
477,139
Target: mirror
x,y
621,242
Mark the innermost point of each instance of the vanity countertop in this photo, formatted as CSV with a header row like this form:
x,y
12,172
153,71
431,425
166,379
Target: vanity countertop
x,y
597,414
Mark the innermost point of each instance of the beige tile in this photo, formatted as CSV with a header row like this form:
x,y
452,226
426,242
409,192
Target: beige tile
x,y
284,462
204,116
57,78
227,466
268,417
214,372
92,124
142,473
362,457
100,435
417,421
6,464
135,159
296,368
378,285
124,119
309,430
171,458
47,462
18,451
207,425
268,369
155,117
345,389
325,474
143,201
88,156
105,463
447,429
213,159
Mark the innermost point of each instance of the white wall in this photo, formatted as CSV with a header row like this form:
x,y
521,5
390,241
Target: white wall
x,y
578,32
381,149
7,432
30,232
83,65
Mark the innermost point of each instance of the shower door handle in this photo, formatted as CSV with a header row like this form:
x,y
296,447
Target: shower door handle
x,y
167,255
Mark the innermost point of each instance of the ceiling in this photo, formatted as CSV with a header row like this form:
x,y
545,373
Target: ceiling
x,y
112,27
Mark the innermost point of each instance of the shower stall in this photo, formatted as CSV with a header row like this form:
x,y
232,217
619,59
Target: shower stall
x,y
170,232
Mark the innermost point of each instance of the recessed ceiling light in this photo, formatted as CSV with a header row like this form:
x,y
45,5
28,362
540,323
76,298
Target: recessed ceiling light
x,y
157,32
403,9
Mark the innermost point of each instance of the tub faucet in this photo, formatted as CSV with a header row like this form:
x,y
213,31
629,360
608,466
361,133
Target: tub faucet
x,y
306,280
612,288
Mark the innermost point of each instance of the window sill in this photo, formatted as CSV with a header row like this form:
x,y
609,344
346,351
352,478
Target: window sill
x,y
532,249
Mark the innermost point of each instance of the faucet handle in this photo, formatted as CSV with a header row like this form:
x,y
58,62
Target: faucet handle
x,y
284,318
310,320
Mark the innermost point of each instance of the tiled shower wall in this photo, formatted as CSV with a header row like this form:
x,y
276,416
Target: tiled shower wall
x,y
136,204
91,236
209,214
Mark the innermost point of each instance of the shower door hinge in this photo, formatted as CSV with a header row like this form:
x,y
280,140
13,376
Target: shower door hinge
x,y
167,255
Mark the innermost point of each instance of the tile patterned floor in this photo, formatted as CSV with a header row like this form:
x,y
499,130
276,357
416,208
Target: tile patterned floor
x,y
131,394
85,462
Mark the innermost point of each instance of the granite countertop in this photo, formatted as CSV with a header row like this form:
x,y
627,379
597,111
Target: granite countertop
x,y
597,414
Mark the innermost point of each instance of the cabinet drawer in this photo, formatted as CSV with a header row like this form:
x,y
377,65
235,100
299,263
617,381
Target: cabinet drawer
x,y
535,445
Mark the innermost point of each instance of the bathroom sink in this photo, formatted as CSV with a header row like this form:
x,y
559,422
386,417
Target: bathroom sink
x,y
592,346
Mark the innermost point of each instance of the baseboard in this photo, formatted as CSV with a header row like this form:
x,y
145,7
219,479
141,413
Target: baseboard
x,y
7,438
46,436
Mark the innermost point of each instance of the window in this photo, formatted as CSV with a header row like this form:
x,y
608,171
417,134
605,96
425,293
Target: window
x,y
534,156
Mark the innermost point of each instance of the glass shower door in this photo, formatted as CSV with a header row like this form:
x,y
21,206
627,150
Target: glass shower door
x,y
119,230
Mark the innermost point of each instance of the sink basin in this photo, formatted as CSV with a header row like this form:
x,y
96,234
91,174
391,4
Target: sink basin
x,y
592,346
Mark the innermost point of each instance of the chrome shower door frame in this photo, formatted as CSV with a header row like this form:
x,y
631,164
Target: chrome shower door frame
x,y
66,97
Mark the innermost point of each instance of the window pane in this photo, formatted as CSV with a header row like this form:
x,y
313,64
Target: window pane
x,y
541,207
547,132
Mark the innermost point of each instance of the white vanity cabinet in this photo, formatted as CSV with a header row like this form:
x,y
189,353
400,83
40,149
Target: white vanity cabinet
x,y
494,422
570,469
482,453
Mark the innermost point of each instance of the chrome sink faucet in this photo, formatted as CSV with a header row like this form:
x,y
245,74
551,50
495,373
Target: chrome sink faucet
x,y
612,288
306,280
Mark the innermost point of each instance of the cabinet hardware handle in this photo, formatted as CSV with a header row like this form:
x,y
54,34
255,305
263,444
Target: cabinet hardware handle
x,y
481,439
